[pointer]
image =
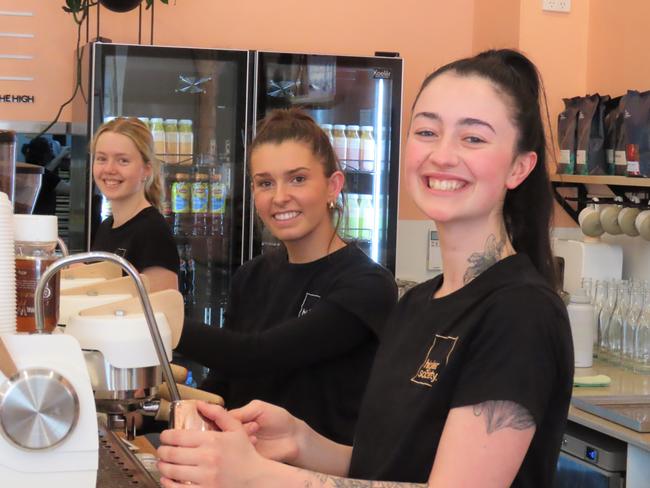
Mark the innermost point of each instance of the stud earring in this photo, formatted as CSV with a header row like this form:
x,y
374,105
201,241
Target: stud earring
x,y
330,205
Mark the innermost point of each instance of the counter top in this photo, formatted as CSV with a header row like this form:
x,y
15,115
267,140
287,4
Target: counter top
x,y
624,383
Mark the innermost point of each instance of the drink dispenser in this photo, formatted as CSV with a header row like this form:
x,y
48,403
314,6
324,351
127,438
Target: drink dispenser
x,y
7,162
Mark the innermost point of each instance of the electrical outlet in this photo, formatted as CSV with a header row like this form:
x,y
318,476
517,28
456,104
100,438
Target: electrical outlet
x,y
556,5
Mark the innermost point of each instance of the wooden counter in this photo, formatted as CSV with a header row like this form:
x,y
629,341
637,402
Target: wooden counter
x,y
624,383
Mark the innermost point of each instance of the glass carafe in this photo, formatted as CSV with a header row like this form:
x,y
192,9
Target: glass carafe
x,y
604,318
642,338
615,328
630,324
600,298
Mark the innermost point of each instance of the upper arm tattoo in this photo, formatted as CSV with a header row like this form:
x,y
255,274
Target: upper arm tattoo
x,y
320,480
480,261
503,414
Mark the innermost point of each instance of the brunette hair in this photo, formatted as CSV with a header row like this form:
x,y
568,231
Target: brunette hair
x,y
294,124
139,133
527,209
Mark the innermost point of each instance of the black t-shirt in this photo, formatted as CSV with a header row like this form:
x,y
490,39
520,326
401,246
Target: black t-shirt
x,y
145,241
302,336
503,336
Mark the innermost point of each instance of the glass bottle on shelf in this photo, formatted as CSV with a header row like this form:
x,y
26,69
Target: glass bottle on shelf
x,y
171,141
354,214
604,319
200,202
367,149
615,329
217,204
340,144
367,220
181,203
327,128
185,142
600,298
354,143
158,134
641,362
631,323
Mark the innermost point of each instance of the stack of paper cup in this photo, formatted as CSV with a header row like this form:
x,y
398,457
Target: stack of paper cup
x,y
7,268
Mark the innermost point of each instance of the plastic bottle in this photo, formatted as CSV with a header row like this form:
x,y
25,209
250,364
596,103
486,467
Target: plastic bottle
x,y
367,149
354,214
180,202
581,317
327,128
217,204
35,242
171,141
340,144
185,142
367,220
158,134
200,203
354,143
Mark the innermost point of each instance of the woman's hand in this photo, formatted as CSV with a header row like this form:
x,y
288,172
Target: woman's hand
x,y
210,459
273,430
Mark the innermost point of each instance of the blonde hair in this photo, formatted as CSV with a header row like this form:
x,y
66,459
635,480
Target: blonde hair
x,y
139,133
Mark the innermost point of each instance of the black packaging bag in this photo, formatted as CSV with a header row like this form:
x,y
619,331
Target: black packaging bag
x,y
567,124
610,112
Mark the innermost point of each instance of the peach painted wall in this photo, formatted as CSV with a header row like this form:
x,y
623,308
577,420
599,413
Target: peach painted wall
x,y
426,34
496,24
51,68
618,46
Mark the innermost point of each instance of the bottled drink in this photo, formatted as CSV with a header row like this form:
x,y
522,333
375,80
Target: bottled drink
x,y
217,205
630,324
145,121
158,134
35,242
354,143
367,217
327,128
200,199
181,198
367,149
190,289
615,329
185,141
171,141
354,214
182,271
340,144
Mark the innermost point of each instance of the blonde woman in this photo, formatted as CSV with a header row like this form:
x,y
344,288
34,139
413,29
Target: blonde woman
x,y
127,173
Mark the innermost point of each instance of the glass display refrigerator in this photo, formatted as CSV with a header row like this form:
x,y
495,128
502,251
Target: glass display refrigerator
x,y
357,101
201,106
195,104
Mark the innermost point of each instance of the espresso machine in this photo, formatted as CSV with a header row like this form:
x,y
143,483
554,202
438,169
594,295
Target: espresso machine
x,y
52,387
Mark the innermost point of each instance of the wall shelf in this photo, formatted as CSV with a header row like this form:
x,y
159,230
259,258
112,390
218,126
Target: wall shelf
x,y
619,185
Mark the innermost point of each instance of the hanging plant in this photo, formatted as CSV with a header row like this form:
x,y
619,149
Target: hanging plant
x,y
78,8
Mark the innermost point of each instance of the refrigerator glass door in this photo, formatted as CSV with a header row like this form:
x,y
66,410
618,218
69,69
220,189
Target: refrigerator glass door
x,y
357,101
194,102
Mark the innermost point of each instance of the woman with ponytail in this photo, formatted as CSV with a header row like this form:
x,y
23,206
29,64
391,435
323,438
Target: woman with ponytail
x,y
473,377
126,171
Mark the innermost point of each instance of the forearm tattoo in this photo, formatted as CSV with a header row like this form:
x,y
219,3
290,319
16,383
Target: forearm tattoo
x,y
319,480
479,262
504,414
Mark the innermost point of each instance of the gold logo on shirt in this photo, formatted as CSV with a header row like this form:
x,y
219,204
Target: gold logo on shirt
x,y
439,352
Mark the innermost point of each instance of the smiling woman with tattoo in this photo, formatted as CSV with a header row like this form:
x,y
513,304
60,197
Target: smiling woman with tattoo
x,y
472,382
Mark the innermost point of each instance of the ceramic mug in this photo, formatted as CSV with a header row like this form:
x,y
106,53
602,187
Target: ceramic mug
x,y
642,224
589,220
626,218
609,219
